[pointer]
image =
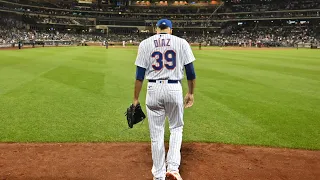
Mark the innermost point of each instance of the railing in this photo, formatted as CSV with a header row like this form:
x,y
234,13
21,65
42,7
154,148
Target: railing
x,y
93,20
44,43
167,14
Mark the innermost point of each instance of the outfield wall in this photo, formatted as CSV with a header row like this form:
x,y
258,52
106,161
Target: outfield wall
x,y
65,43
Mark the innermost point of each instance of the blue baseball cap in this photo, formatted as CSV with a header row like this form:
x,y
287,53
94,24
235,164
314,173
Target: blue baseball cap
x,y
165,22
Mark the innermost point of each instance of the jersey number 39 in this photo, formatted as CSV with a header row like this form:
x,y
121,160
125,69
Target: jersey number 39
x,y
170,58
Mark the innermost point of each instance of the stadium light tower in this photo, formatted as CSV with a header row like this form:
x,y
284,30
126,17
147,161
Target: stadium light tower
x,y
221,4
207,24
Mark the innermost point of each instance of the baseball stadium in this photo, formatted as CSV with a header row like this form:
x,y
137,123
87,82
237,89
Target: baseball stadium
x,y
71,72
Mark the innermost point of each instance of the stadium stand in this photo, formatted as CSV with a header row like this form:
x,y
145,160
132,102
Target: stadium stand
x,y
247,23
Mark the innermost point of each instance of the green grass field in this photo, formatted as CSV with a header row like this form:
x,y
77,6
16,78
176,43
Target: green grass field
x,y
79,94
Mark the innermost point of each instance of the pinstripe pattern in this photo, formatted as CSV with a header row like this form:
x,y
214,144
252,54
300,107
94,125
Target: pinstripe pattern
x,y
183,51
163,99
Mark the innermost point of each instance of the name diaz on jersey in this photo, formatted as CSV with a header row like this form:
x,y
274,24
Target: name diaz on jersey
x,y
161,42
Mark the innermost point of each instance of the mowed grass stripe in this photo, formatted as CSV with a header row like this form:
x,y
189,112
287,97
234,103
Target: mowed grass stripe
x,y
271,86
278,124
254,110
239,78
62,113
83,79
244,90
58,113
63,76
288,57
272,78
29,67
282,65
283,61
84,96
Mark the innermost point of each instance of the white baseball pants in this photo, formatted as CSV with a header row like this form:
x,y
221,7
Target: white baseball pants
x,y
165,100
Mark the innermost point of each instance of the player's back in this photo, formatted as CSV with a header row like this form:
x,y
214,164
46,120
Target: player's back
x,y
164,56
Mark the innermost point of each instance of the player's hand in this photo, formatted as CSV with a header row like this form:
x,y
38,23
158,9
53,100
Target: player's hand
x,y
135,102
188,100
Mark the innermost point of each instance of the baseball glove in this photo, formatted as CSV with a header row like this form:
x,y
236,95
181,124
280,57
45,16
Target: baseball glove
x,y
134,115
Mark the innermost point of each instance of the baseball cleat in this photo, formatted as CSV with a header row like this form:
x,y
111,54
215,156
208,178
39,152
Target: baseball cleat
x,y
173,175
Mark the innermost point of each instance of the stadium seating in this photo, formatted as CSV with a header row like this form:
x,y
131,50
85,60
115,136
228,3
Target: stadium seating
x,y
244,23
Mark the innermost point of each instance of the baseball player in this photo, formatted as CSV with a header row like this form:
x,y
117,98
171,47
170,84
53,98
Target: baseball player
x,y
162,59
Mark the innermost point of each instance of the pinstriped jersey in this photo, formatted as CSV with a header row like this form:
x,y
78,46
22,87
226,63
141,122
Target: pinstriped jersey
x,y
164,56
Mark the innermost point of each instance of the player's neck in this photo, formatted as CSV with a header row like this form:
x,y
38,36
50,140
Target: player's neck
x,y
165,31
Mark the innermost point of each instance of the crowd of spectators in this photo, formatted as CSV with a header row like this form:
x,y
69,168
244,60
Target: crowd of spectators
x,y
276,38
257,10
290,5
10,30
229,6
68,21
279,34
13,29
176,16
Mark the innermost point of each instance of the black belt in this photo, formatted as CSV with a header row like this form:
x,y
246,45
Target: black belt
x,y
169,81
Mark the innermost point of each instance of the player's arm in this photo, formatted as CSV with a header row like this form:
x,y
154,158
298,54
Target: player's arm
x,y
191,77
140,73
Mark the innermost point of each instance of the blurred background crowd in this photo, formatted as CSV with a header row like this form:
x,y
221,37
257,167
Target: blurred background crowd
x,y
223,23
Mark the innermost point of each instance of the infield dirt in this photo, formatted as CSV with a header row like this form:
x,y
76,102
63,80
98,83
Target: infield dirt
x,y
200,161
